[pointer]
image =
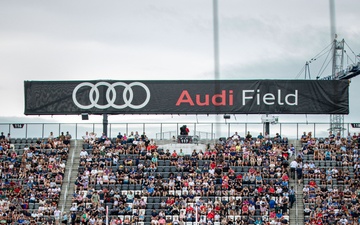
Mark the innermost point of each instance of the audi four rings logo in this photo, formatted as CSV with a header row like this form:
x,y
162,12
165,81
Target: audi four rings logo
x,y
94,98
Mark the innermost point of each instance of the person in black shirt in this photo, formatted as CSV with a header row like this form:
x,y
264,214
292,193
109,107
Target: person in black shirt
x,y
2,136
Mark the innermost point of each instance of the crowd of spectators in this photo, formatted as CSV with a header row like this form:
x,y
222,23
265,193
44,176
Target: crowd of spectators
x,y
329,168
32,171
238,180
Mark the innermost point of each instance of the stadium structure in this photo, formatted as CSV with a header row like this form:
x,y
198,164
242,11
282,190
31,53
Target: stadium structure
x,y
184,174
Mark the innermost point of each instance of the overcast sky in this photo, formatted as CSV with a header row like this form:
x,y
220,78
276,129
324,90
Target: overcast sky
x,y
164,39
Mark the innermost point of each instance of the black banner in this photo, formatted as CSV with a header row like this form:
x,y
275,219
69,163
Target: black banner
x,y
18,125
187,97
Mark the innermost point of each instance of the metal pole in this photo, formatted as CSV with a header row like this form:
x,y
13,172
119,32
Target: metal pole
x,y
229,130
110,134
216,59
332,19
212,131
297,131
216,40
161,138
267,128
76,130
194,129
105,123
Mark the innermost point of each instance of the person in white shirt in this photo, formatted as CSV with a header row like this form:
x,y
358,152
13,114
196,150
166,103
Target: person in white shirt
x,y
235,136
306,189
73,208
293,166
57,213
86,137
83,153
51,136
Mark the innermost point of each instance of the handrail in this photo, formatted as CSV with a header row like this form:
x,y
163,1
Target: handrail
x,y
296,191
292,130
69,176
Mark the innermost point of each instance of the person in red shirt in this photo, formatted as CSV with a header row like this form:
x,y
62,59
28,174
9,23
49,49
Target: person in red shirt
x,y
189,209
170,201
211,215
225,177
231,171
252,170
312,183
203,208
245,209
213,165
217,208
173,158
17,190
225,184
285,177
271,190
207,154
213,154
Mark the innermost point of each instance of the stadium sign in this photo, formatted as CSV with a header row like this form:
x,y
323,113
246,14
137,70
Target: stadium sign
x,y
18,125
187,97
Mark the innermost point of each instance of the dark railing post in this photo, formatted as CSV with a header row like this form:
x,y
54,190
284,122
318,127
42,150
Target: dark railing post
x,y
228,130
42,131
161,138
212,131
195,129
105,123
297,131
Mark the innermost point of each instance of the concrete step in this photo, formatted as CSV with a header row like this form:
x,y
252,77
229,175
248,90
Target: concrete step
x,y
71,171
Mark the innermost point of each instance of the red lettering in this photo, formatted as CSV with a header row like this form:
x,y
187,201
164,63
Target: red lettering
x,y
231,97
199,103
222,98
185,98
216,99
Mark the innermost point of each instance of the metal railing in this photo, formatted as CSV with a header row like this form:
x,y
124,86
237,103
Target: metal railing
x,y
161,130
170,135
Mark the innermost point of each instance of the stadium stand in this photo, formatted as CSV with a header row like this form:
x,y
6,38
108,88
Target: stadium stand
x,y
238,180
32,171
330,172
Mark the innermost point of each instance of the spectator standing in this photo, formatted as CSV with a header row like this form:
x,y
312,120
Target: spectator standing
x,y
293,166
292,196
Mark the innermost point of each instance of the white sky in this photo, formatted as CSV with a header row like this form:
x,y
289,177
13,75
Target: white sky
x,y
164,39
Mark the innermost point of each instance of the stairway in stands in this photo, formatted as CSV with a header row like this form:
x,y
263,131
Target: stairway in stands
x,y
297,211
71,171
